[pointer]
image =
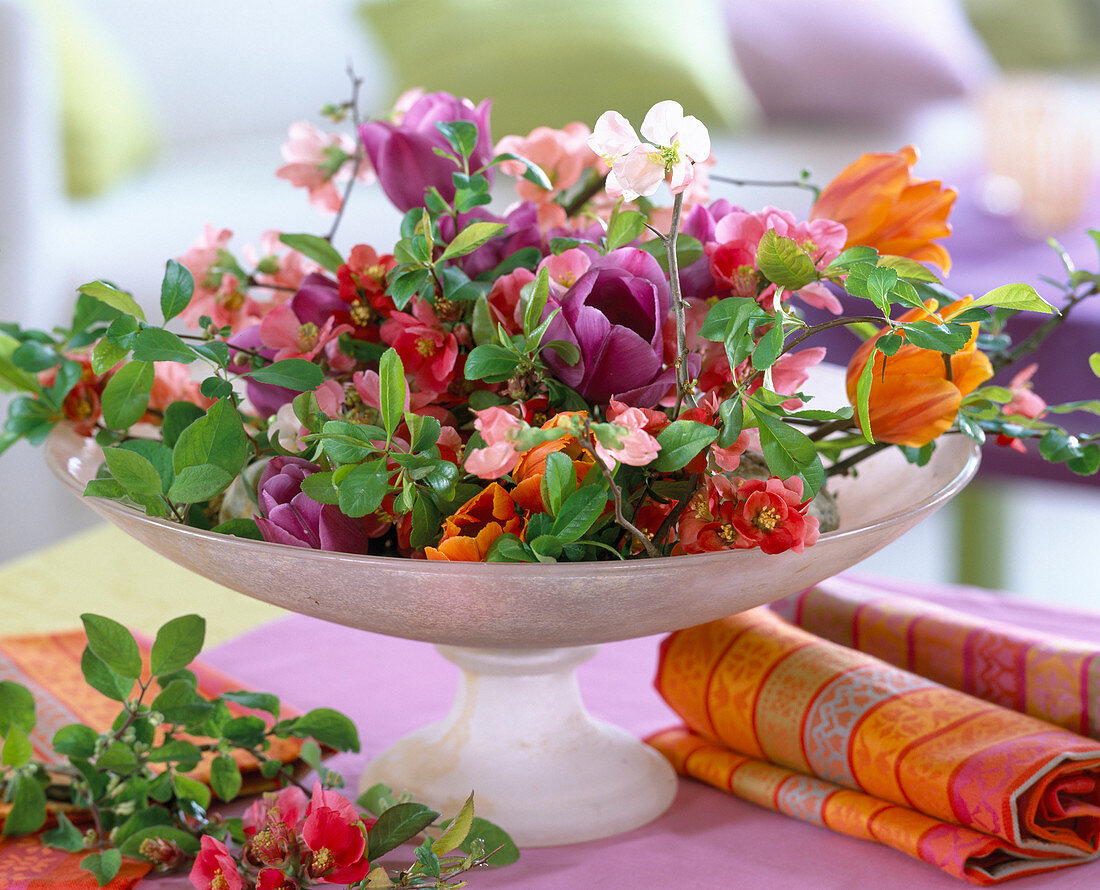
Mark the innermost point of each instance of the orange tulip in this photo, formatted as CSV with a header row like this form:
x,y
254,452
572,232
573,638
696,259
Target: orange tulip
x,y
912,401
470,531
532,464
883,207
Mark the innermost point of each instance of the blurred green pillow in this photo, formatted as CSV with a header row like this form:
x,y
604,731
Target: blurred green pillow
x,y
550,62
106,119
1039,33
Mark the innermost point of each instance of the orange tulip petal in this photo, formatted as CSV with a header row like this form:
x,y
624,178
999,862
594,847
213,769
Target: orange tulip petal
x,y
911,410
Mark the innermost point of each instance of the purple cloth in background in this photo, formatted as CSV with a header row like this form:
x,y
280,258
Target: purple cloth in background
x,y
988,251
706,839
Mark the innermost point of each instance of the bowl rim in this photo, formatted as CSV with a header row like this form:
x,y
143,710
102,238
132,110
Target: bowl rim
x,y
63,443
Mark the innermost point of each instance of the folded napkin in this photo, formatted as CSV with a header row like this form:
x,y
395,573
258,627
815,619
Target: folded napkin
x,y
1052,678
839,738
49,666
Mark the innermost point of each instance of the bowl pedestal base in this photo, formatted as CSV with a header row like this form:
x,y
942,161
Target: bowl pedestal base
x,y
542,767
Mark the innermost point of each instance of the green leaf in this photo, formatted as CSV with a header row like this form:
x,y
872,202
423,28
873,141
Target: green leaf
x,y
392,390
462,136
1021,297
535,296
17,750
731,413
16,707
239,528
315,248
788,451
103,866
580,510
133,472
363,488
680,441
880,282
193,485
113,297
783,262
180,703
177,644
245,732
28,806
292,373
218,439
852,255
320,487
458,830
187,841
863,397
11,376
184,754
509,548
1094,363
159,345
117,758
532,171
33,356
176,289
225,777
929,335
126,396
471,238
906,268
768,348
65,837
627,226
100,677
106,355
191,789
113,644
349,443
493,837
559,481
481,323
328,727
396,825
376,799
491,363
75,740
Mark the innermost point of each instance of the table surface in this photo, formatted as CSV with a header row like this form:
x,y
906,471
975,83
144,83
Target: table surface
x,y
706,839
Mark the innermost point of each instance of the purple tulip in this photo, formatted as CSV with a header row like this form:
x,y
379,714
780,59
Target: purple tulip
x,y
265,398
292,517
403,155
317,299
614,315
696,279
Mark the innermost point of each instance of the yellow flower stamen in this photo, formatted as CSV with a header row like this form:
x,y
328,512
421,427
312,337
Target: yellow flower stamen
x,y
307,336
425,346
766,519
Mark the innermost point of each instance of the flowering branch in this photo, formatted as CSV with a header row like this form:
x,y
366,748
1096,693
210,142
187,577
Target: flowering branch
x,y
360,153
683,392
616,493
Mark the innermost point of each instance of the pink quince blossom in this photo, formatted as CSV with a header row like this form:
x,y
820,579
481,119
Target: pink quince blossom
x,y
565,268
287,805
318,161
284,332
498,427
638,446
676,143
1024,402
278,266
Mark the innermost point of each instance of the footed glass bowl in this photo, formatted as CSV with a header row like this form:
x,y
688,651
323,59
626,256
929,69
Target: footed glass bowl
x,y
518,732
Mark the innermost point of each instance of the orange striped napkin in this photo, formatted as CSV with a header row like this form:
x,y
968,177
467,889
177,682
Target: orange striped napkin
x,y
1052,678
839,738
49,666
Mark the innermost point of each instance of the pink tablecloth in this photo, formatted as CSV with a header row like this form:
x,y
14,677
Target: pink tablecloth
x,y
707,838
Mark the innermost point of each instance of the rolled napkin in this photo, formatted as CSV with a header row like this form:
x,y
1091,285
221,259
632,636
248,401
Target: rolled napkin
x,y
49,666
1052,678
839,738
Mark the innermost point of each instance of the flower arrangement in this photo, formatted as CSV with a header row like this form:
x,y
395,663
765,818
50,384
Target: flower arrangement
x,y
144,786
584,373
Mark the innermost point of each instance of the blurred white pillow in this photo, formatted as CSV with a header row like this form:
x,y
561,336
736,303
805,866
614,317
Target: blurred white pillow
x,y
829,59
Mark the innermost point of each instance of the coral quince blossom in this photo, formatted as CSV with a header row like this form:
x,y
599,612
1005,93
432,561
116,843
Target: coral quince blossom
x,y
428,350
913,400
741,514
562,155
318,161
215,868
219,293
336,839
498,427
882,206
676,143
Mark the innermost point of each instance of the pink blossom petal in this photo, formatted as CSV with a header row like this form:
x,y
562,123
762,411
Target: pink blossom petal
x,y
662,122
